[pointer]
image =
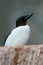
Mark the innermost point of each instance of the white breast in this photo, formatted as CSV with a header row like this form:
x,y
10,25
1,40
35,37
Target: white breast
x,y
18,36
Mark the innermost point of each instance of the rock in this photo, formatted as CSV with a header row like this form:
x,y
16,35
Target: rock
x,y
21,55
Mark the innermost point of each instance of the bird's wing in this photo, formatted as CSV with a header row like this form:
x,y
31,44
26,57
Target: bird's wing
x,y
6,38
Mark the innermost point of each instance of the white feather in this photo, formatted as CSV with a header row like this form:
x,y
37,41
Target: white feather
x,y
18,36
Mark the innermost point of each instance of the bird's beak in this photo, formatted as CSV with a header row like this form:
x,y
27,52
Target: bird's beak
x,y
28,16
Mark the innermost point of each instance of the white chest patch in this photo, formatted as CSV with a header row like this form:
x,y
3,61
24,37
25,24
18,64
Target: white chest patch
x,y
18,36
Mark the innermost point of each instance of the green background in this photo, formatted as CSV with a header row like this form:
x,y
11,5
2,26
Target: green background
x,y
10,10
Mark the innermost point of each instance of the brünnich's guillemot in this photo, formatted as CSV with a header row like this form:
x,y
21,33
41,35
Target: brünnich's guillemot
x,y
20,35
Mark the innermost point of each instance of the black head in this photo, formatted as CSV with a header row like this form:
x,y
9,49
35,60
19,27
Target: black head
x,y
22,20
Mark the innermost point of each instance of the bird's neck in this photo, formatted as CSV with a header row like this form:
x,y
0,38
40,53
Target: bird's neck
x,y
19,25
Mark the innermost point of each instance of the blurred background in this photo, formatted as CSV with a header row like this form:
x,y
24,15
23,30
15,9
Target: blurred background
x,y
10,10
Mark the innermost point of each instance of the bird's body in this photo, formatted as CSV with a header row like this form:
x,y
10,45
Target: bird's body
x,y
20,35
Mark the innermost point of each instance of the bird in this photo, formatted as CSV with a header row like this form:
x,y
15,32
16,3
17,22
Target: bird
x,y
20,35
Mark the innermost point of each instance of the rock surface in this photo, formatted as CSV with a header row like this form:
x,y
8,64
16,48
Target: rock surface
x,y
22,55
